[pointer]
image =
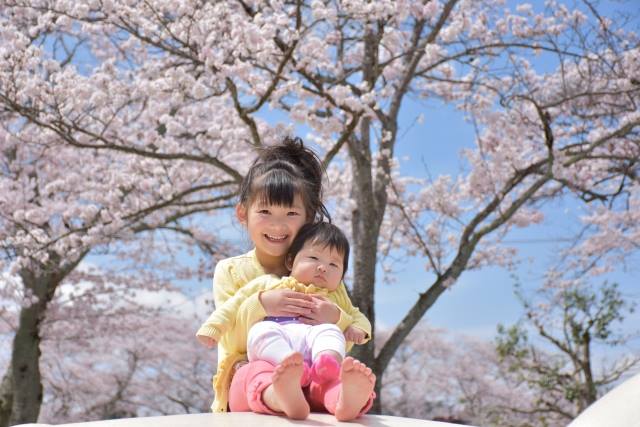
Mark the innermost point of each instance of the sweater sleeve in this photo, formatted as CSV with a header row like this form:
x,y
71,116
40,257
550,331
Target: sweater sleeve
x,y
224,285
348,310
224,317
251,311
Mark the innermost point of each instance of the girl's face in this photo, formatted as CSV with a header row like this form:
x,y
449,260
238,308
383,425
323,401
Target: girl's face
x,y
272,227
318,264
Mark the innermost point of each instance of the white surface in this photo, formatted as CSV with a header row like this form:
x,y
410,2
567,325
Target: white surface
x,y
243,419
618,408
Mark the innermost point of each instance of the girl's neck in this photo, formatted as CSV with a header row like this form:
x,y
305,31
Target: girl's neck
x,y
271,264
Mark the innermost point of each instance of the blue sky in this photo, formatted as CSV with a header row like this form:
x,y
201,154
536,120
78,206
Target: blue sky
x,y
480,299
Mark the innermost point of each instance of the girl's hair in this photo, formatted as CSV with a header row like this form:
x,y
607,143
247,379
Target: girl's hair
x,y
325,234
282,171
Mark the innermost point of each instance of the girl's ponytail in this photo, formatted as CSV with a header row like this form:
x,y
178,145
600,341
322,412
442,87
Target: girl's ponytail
x,y
292,150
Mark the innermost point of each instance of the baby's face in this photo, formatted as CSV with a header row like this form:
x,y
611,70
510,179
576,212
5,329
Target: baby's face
x,y
319,265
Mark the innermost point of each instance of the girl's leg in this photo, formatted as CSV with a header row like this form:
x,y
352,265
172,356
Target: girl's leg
x,y
247,387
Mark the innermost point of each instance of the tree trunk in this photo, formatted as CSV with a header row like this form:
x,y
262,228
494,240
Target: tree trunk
x,y
6,397
24,370
21,390
365,223
25,367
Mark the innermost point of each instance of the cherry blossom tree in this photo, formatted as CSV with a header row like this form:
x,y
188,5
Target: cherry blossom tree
x,y
59,202
517,380
573,320
187,87
438,374
112,346
149,366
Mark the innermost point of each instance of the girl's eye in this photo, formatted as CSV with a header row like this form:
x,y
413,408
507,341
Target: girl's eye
x,y
292,213
263,211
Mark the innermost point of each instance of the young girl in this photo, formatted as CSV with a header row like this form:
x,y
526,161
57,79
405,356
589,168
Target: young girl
x,y
280,193
317,260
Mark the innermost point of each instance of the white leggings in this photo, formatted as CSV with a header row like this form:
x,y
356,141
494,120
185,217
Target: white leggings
x,y
272,341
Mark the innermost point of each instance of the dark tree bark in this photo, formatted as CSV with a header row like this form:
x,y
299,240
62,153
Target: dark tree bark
x,y
21,390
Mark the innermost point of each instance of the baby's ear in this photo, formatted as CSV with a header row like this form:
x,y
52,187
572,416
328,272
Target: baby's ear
x,y
288,262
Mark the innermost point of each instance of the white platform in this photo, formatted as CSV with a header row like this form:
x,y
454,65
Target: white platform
x,y
248,419
618,408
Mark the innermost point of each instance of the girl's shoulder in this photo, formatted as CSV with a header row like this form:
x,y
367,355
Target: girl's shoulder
x,y
246,258
243,267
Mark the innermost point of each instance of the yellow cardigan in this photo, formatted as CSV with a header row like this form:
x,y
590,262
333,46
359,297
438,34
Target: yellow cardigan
x,y
231,275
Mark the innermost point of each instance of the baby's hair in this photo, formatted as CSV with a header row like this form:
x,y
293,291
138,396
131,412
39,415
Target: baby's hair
x,y
325,234
280,172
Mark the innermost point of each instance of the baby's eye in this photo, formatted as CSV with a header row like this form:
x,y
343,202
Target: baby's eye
x,y
315,258
333,265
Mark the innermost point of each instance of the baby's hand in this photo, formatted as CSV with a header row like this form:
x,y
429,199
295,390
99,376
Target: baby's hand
x,y
206,341
355,335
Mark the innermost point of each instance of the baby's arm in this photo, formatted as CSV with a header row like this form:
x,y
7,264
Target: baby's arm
x,y
355,335
351,314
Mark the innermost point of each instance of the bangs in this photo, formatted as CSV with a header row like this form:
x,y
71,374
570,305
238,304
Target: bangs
x,y
332,241
277,187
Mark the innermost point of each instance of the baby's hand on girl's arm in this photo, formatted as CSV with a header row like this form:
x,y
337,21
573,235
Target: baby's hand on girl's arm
x,y
355,335
206,341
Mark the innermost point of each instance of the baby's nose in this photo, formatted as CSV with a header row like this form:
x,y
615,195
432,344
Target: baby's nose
x,y
321,267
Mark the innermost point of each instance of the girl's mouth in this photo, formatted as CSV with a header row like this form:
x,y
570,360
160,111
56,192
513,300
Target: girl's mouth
x,y
276,239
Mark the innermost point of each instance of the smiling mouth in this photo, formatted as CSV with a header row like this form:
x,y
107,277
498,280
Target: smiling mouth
x,y
276,238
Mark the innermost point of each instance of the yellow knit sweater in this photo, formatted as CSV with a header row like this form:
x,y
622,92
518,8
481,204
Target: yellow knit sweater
x,y
237,283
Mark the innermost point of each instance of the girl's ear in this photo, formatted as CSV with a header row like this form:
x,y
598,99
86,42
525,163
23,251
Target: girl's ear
x,y
288,262
241,213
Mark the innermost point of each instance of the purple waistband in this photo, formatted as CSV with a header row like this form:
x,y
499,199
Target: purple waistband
x,y
281,319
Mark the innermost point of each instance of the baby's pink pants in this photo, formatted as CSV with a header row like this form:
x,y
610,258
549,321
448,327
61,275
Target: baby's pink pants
x,y
250,380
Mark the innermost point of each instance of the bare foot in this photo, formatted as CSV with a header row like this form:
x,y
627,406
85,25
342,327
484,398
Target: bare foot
x,y
357,385
287,389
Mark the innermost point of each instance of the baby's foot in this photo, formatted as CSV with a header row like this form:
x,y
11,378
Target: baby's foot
x,y
324,369
357,383
286,386
305,379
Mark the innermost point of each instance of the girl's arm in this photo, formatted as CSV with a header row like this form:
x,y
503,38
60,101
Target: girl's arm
x,y
225,284
224,317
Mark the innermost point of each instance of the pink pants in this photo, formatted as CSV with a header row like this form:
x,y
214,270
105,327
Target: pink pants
x,y
250,380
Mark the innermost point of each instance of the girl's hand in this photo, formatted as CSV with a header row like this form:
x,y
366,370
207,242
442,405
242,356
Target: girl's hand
x,y
283,302
323,311
355,335
207,341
